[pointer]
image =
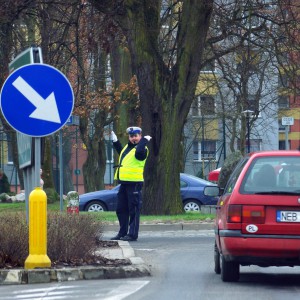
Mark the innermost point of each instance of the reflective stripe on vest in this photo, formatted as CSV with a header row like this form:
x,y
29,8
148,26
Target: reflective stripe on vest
x,y
131,169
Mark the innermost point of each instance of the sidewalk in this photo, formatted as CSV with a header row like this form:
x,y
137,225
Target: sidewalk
x,y
137,268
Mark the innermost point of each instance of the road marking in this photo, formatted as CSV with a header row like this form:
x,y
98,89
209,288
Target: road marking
x,y
56,292
64,290
149,250
126,289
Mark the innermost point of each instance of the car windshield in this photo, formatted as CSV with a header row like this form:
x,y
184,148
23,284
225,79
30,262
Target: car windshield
x,y
273,175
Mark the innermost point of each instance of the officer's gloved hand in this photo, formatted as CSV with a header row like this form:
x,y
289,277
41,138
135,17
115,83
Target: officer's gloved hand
x,y
113,137
148,137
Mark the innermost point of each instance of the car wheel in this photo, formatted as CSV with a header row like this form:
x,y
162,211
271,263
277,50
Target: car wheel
x,y
95,206
191,205
230,271
217,259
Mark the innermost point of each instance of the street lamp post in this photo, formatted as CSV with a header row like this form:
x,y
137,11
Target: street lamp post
x,y
247,114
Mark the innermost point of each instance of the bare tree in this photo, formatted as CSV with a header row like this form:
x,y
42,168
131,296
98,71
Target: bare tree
x,y
10,11
169,43
245,41
167,81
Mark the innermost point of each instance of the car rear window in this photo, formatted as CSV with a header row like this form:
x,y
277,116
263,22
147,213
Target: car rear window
x,y
234,176
274,174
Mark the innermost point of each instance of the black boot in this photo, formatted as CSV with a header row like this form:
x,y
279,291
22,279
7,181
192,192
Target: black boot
x,y
128,238
117,237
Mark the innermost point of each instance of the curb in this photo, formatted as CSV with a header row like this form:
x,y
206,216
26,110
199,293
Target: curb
x,y
21,276
166,227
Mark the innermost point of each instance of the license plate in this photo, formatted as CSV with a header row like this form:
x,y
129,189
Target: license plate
x,y
288,216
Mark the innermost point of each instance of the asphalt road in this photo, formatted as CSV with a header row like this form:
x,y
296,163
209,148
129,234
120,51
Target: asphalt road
x,y
182,268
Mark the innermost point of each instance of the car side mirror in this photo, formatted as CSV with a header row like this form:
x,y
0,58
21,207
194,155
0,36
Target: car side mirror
x,y
213,191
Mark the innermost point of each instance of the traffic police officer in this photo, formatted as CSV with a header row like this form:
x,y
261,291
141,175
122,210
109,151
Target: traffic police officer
x,y
129,174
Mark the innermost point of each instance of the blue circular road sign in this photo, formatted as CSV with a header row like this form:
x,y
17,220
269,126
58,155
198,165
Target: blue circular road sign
x,y
37,100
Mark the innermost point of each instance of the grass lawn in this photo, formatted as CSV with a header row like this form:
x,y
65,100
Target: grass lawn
x,y
20,206
110,216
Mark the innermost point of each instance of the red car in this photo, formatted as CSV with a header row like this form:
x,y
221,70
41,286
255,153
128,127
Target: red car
x,y
258,214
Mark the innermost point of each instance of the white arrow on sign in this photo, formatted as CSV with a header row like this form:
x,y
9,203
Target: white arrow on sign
x,y
46,109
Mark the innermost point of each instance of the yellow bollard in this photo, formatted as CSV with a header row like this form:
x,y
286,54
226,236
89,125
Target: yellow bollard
x,y
38,257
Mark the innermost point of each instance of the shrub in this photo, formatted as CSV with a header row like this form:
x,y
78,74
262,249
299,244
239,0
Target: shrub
x,y
71,238
229,164
13,240
3,197
52,195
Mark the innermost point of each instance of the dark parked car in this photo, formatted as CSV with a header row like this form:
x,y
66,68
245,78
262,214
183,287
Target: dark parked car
x,y
258,214
191,189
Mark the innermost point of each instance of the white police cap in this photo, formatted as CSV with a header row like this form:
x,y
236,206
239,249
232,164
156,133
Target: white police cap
x,y
133,130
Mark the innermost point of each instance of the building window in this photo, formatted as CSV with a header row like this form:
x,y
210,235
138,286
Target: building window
x,y
281,127
253,103
195,108
282,81
209,150
283,102
9,149
209,67
205,151
109,153
203,106
283,57
207,105
196,150
281,145
255,145
3,149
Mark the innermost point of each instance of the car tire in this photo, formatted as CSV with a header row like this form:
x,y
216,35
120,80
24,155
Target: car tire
x,y
217,259
95,206
230,271
192,206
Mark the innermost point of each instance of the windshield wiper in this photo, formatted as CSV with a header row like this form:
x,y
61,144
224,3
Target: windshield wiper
x,y
296,192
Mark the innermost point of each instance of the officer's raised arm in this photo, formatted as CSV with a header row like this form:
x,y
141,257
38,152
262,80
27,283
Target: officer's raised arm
x,y
116,143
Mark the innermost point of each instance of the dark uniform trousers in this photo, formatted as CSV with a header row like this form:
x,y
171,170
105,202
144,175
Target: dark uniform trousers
x,y
129,207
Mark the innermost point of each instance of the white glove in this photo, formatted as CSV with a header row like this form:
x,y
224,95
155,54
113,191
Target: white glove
x,y
148,137
113,136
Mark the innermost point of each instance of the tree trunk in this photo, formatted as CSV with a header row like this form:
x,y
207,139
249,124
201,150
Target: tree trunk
x,y
94,167
47,165
92,130
166,89
67,155
166,96
162,172
243,135
5,50
121,72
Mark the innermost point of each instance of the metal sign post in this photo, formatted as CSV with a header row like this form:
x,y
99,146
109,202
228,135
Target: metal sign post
x,y
61,182
45,100
287,122
37,162
25,143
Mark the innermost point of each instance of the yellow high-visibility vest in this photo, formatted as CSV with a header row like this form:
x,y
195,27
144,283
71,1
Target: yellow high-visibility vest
x,y
131,168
